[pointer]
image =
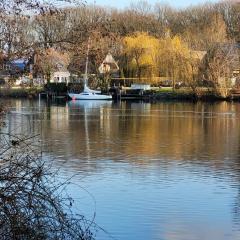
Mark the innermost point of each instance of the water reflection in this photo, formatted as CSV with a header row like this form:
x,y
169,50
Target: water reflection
x,y
158,171
89,108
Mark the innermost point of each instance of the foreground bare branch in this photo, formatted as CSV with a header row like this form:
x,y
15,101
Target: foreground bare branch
x,y
32,205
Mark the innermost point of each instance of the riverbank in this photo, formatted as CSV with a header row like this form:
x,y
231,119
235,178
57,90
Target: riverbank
x,y
20,92
202,94
161,94
167,93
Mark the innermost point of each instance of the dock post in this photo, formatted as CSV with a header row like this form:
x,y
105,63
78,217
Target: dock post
x,y
39,100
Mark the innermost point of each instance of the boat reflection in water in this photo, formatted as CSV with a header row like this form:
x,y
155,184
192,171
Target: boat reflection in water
x,y
89,104
89,109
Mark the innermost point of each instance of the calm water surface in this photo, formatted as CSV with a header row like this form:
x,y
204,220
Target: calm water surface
x,y
163,171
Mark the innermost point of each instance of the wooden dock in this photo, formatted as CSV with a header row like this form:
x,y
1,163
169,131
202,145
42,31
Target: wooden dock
x,y
235,94
130,94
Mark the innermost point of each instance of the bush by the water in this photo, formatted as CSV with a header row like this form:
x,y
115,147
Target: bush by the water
x,y
20,92
58,88
32,205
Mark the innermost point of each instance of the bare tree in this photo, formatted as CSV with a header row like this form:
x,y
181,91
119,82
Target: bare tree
x,y
32,204
218,66
18,37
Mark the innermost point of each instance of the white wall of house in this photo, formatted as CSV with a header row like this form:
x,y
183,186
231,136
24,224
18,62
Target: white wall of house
x,y
60,77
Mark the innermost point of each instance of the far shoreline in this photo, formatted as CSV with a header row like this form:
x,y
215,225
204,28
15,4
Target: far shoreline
x,y
148,95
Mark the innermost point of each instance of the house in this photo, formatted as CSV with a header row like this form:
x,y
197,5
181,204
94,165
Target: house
x,y
109,65
198,55
60,77
10,70
51,66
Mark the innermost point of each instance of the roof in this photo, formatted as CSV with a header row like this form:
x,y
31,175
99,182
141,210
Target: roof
x,y
19,63
108,64
198,54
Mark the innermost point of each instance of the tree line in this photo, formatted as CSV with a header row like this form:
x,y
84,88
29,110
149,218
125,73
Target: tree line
x,y
147,40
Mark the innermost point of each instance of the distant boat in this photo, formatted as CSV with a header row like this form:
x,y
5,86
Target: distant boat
x,y
88,94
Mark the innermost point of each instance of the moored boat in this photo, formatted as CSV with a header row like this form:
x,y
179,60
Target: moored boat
x,y
88,94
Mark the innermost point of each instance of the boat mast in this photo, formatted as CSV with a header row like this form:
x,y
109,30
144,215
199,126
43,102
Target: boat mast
x,y
86,67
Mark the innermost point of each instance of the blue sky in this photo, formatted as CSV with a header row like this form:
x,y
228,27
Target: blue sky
x,y
125,3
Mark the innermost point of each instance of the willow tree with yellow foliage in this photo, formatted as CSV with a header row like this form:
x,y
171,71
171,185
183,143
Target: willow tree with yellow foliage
x,y
176,60
168,57
142,53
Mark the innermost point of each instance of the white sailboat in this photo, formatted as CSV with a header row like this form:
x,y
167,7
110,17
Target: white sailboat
x,y
88,94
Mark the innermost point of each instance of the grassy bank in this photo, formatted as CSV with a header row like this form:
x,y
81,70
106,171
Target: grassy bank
x,y
164,93
187,94
174,95
20,92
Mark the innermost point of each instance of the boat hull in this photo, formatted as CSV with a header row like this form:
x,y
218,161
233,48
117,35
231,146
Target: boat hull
x,y
80,96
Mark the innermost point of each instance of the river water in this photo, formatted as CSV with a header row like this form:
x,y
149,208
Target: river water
x,y
156,171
